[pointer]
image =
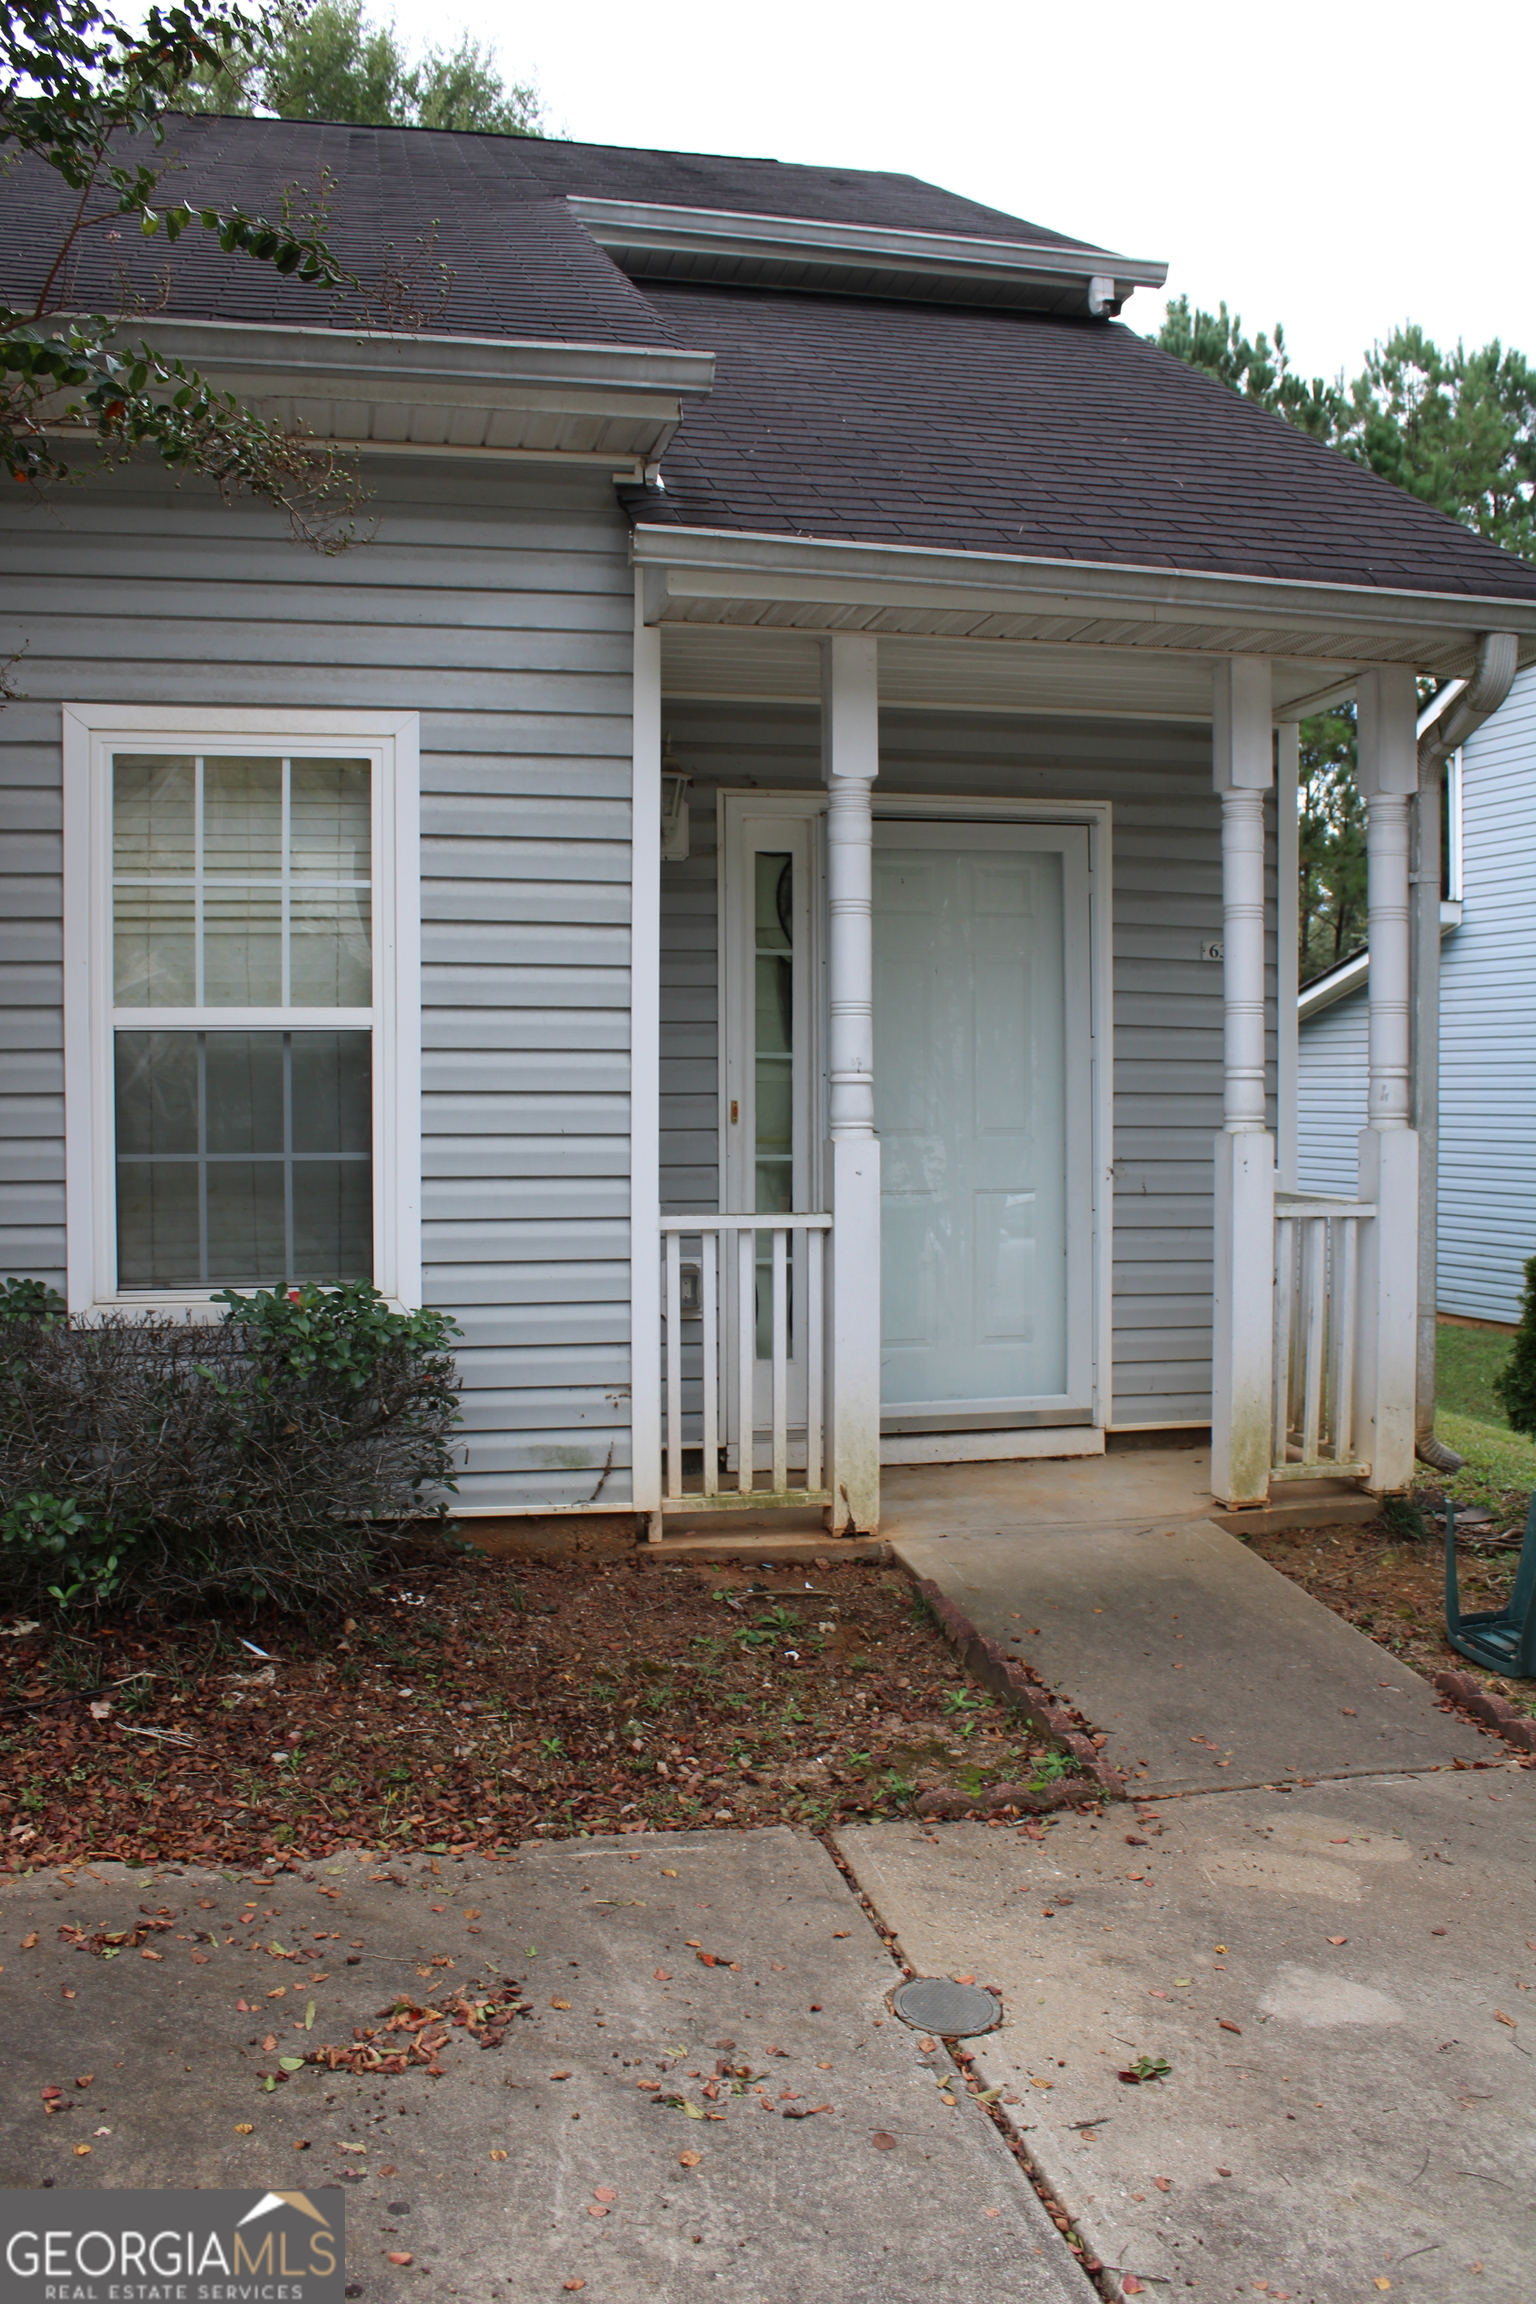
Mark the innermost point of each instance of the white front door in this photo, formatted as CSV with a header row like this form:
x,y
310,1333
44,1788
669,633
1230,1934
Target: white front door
x,y
983,1058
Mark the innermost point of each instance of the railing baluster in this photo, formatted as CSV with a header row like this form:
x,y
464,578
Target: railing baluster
x,y
813,1346
674,1301
746,1358
780,1394
796,1271
1314,1310
1285,1291
1348,1318
709,1306
1316,1323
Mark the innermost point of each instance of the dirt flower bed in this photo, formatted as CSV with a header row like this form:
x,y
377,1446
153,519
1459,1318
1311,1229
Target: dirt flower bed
x,y
1394,1588
474,1704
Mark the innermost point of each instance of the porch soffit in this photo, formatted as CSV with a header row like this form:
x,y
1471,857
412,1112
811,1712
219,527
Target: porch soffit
x,y
723,662
778,586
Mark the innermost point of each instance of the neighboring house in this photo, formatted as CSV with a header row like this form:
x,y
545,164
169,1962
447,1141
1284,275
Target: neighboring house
x,y
755,887
1487,1165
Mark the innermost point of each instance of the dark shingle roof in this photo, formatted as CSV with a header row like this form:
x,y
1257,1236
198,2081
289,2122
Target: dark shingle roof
x,y
943,426
520,264
1026,433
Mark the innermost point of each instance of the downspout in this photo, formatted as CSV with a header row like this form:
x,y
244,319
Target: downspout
x,y
1442,729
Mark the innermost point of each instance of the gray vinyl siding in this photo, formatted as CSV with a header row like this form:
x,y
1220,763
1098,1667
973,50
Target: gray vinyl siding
x,y
1332,1074
501,609
1487,1182
1488,1025
1167,1000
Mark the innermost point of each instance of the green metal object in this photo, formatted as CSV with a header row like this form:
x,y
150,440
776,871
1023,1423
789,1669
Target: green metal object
x,y
1503,1639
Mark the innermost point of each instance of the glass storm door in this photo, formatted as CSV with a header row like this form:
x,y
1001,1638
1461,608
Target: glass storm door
x,y
982,1101
772,960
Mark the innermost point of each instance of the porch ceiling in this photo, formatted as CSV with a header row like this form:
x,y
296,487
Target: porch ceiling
x,y
771,666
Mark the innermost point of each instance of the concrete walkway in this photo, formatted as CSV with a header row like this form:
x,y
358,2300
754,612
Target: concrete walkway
x,y
1204,1666
555,2162
1342,1985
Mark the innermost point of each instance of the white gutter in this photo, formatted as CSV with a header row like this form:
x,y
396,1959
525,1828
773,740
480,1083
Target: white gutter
x,y
652,240
476,396
686,568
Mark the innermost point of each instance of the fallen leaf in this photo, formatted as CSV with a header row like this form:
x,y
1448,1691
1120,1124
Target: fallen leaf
x,y
29,1943
663,1975
81,2150
965,1979
1131,2285
301,2143
85,2079
1499,2017
245,2127
351,2147
991,2211
573,2285
269,2045
559,2075
1382,2281
553,2003
605,2192
1163,2183
498,2154
1228,2027
1034,2083
837,1932
1338,1939
596,2208
883,2140
397,2256
689,2159
668,1872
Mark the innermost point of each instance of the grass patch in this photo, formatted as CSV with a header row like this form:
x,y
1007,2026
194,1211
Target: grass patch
x,y
1501,1465
1466,1363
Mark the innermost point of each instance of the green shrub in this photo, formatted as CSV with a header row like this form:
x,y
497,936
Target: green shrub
x,y
1515,1385
257,1457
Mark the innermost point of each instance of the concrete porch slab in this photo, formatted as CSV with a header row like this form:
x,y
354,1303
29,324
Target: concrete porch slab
x,y
1340,2117
544,2166
1205,1667
1126,1484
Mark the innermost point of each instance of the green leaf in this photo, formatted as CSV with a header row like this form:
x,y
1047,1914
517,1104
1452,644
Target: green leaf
x,y
291,2063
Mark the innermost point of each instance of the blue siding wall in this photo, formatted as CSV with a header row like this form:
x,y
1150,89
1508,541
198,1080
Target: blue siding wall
x,y
1330,1099
1487,1199
1488,1025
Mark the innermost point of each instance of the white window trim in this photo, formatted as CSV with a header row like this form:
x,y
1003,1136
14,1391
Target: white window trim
x,y
91,733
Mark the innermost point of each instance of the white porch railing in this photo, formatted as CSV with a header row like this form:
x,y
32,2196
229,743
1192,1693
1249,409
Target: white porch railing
x,y
1317,1335
718,1395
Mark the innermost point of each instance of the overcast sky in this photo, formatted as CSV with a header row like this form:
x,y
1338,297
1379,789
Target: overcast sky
x,y
1338,167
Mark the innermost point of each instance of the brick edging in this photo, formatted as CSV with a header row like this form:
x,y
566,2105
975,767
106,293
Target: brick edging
x,y
1007,1677
1489,1711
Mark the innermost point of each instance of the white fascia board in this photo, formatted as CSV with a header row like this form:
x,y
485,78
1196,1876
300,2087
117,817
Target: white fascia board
x,y
697,564
1351,975
642,229
1336,985
362,388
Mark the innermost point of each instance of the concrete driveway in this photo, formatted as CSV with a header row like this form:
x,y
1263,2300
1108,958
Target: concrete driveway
x,y
732,1972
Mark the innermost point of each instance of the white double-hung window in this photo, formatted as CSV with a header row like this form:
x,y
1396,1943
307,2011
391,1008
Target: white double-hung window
x,y
242,1005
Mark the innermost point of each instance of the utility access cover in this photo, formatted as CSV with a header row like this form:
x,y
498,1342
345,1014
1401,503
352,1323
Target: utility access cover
x,y
954,2011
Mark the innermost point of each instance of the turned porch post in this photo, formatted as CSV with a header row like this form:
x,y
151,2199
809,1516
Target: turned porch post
x,y
1242,1344
850,759
1389,1148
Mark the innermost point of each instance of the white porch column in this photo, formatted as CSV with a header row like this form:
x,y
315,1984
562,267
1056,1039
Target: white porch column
x,y
850,761
1242,1344
1389,1148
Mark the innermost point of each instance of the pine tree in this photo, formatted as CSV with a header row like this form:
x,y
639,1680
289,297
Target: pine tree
x,y
1515,1385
